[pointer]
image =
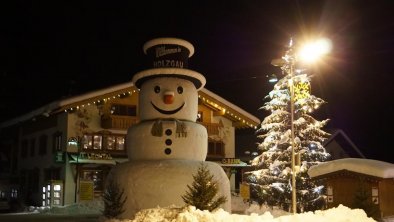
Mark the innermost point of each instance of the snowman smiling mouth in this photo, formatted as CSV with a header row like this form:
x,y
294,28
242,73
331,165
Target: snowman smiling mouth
x,y
167,112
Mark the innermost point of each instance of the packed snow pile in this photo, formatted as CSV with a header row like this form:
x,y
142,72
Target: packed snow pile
x,y
240,206
255,208
191,214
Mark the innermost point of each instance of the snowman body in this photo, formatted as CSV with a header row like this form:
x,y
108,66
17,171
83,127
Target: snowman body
x,y
173,143
166,148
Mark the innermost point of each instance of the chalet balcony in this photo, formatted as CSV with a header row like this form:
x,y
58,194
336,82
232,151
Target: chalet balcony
x,y
124,122
212,128
117,122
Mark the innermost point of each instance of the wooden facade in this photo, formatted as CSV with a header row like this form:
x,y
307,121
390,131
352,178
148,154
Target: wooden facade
x,y
344,185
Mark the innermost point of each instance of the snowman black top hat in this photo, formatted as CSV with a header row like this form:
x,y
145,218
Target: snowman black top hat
x,y
170,59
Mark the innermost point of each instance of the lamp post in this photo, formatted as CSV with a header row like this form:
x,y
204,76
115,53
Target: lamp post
x,y
308,53
293,173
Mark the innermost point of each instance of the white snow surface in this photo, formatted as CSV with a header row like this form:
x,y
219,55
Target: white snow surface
x,y
365,166
246,213
191,214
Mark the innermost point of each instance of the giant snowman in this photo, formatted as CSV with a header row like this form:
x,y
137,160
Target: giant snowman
x,y
166,148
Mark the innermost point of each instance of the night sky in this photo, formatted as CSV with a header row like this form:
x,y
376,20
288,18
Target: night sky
x,y
55,49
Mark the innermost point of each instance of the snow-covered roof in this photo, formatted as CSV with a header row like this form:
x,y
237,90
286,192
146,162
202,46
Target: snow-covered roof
x,y
56,105
364,166
230,105
49,108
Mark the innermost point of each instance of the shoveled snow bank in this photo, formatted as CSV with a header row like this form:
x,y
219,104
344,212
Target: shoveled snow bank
x,y
191,214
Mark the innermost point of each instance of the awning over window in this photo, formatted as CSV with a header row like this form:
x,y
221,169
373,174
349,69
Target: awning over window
x,y
113,161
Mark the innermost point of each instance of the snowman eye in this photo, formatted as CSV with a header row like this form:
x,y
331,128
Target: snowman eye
x,y
180,89
157,89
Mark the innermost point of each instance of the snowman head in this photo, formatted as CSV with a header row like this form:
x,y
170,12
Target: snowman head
x,y
168,93
169,90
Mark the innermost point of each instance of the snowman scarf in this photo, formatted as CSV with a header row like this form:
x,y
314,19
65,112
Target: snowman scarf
x,y
157,128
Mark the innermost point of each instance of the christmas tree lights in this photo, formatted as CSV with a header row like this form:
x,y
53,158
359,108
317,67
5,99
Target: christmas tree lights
x,y
291,142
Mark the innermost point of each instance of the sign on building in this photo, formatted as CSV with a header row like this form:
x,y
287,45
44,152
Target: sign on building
x,y
244,190
86,192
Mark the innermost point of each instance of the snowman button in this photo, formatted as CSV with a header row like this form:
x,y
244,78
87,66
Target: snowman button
x,y
168,132
168,142
167,151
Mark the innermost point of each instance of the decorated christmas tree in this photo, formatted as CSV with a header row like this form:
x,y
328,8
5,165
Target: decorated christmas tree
x,y
203,191
289,124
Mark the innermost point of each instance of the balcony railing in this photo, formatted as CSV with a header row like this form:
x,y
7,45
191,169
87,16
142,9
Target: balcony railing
x,y
124,122
212,128
117,122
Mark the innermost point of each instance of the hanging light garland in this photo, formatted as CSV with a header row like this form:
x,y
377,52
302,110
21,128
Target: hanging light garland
x,y
100,101
227,112
221,108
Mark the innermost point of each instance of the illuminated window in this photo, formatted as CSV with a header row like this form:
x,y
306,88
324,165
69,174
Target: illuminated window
x,y
97,142
104,142
110,142
56,187
120,143
87,141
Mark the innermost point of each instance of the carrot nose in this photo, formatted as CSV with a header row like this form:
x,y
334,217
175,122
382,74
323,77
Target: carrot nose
x,y
168,97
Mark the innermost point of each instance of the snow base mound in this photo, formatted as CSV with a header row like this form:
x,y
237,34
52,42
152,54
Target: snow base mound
x,y
191,214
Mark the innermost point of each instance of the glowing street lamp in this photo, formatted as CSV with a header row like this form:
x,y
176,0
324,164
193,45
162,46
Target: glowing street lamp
x,y
313,51
308,53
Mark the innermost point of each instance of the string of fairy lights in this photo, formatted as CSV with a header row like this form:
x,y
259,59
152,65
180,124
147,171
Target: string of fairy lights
x,y
226,111
122,94
99,101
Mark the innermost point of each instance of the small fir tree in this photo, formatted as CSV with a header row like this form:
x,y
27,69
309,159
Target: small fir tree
x,y
203,191
271,181
113,200
363,200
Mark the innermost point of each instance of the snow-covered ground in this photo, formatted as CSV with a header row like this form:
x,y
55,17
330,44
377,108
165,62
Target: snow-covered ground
x,y
186,214
242,212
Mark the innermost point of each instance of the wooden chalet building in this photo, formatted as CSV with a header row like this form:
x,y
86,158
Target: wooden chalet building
x,y
61,153
345,178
